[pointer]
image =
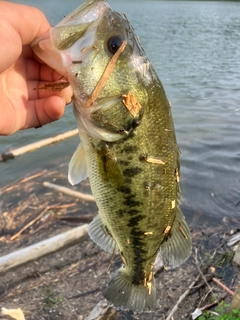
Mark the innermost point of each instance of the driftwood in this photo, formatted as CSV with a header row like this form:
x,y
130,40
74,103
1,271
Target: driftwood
x,y
98,311
42,248
234,239
33,146
220,284
76,194
103,311
236,258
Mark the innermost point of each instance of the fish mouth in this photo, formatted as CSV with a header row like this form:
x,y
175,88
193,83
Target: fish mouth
x,y
89,11
59,46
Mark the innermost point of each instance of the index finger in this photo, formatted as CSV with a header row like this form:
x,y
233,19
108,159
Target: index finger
x,y
28,22
19,25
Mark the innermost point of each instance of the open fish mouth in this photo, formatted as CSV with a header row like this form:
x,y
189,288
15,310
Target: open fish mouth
x,y
65,43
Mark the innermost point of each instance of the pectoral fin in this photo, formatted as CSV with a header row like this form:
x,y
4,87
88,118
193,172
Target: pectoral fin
x,y
109,167
177,246
77,170
99,233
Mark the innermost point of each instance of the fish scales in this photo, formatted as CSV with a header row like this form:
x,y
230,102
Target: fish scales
x,y
130,155
148,189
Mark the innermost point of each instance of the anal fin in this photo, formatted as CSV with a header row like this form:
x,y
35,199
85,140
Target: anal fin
x,y
99,233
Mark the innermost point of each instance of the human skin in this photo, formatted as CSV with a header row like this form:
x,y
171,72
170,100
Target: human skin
x,y
21,106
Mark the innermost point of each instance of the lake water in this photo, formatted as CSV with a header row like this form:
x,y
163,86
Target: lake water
x,y
195,49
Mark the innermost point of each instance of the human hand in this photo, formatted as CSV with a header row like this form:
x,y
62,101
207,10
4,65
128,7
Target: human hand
x,y
21,106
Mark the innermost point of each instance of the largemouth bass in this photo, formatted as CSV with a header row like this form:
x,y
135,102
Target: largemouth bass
x,y
128,147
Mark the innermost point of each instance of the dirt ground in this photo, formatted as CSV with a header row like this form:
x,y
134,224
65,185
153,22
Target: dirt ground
x,y
68,284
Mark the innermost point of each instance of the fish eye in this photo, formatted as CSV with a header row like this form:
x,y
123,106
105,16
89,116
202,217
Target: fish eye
x,y
113,44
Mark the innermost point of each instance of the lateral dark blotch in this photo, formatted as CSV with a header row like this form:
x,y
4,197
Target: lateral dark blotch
x,y
130,202
130,149
132,211
128,180
131,172
133,222
124,163
120,212
139,252
124,189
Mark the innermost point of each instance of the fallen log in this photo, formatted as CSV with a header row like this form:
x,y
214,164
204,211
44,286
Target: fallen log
x,y
70,192
234,239
236,258
43,248
36,145
103,311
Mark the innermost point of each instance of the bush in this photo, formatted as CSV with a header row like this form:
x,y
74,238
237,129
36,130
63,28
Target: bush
x,y
221,314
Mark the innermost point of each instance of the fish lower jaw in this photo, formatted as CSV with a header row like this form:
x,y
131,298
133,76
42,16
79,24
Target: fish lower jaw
x,y
60,62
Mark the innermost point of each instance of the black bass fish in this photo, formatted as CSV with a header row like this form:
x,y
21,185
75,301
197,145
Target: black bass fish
x,y
128,147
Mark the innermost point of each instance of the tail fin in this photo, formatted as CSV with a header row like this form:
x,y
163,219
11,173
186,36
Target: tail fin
x,y
126,296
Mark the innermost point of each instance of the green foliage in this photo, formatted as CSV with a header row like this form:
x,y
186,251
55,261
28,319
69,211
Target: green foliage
x,y
225,259
50,300
221,313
